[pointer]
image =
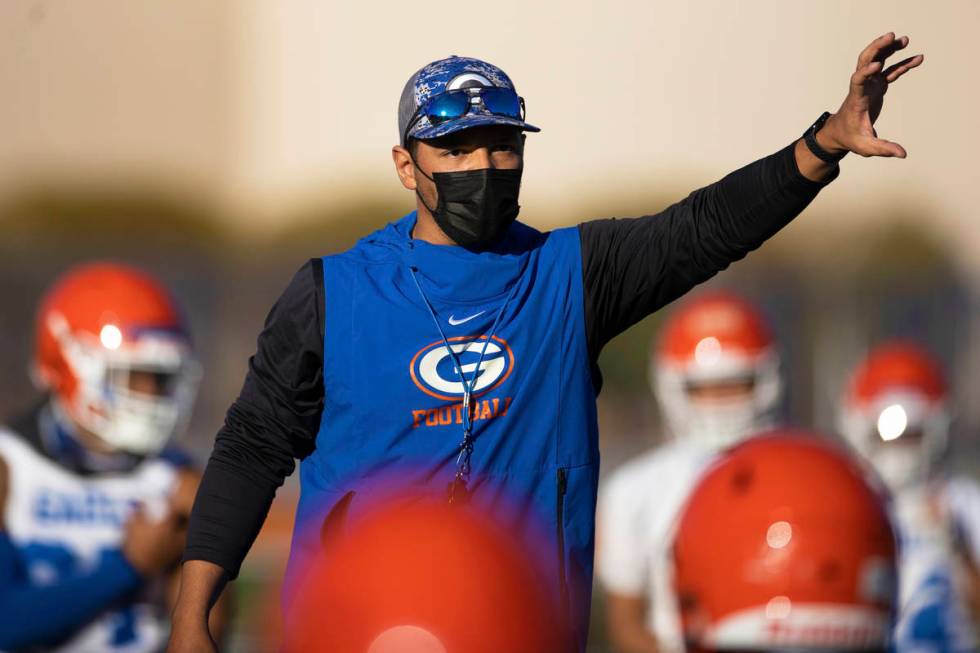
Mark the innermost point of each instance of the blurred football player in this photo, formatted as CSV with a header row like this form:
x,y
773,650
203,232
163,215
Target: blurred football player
x,y
715,373
896,413
786,545
92,502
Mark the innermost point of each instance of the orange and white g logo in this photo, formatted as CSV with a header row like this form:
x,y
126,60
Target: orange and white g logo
x,y
434,371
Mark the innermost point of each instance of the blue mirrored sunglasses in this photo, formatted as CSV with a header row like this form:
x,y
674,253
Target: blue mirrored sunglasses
x,y
456,104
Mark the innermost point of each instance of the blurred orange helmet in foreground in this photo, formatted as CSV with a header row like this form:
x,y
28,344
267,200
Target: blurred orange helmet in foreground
x,y
97,325
895,411
424,577
784,545
716,338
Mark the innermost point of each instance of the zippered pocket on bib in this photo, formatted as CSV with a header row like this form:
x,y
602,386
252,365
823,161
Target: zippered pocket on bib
x,y
562,482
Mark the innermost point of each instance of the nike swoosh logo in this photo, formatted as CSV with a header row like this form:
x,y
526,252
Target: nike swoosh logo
x,y
454,322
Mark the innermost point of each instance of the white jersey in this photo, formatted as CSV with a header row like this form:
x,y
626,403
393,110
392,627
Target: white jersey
x,y
937,526
59,523
638,508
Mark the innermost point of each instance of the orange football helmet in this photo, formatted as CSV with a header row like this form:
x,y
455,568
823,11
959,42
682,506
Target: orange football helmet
x,y
424,577
97,325
895,411
713,339
785,545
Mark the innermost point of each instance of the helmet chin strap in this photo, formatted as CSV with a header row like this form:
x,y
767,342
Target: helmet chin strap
x,y
720,427
67,442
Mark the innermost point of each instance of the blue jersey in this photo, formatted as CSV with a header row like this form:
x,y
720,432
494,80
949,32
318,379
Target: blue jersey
x,y
939,532
394,398
60,526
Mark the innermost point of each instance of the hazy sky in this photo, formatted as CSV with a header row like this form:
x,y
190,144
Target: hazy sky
x,y
268,105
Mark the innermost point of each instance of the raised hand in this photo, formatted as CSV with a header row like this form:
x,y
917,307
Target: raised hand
x,y
852,127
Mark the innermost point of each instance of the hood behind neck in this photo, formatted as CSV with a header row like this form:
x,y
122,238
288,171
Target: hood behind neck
x,y
451,272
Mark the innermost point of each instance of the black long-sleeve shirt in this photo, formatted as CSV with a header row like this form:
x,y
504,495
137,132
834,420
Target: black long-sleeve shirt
x,y
630,268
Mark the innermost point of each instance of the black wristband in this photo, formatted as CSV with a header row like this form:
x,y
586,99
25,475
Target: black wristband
x,y
810,138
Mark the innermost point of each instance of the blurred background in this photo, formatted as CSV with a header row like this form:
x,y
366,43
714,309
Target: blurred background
x,y
221,144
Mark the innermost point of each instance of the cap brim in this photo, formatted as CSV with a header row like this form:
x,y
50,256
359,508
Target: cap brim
x,y
470,121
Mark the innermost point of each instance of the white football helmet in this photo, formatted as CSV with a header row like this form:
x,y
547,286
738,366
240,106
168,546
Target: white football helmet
x,y
716,340
895,412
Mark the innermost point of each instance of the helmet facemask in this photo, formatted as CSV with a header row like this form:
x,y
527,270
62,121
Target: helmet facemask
x,y
716,403
715,371
895,412
901,433
134,394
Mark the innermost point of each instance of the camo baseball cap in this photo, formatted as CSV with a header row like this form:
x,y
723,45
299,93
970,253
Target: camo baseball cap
x,y
450,74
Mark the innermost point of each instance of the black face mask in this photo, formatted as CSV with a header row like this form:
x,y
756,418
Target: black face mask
x,y
475,206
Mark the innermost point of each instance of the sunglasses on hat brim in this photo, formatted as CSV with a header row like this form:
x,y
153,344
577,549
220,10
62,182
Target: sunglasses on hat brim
x,y
456,104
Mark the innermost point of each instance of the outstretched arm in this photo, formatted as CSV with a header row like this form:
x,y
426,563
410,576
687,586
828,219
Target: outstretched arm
x,y
631,268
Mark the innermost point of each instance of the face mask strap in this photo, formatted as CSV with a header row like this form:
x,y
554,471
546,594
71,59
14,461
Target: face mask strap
x,y
417,193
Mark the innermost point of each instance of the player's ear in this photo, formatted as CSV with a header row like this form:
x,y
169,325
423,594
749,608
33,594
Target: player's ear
x,y
404,166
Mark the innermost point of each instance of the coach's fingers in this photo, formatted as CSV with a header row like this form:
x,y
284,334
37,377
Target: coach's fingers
x,y
898,44
870,146
870,53
897,70
862,74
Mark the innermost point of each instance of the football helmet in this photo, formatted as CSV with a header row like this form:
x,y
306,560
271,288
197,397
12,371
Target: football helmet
x,y
427,577
716,338
101,328
785,544
895,412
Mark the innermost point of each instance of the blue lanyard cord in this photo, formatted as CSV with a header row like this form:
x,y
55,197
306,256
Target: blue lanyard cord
x,y
466,445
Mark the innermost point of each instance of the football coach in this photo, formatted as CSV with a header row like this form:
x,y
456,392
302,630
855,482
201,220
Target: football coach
x,y
458,347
